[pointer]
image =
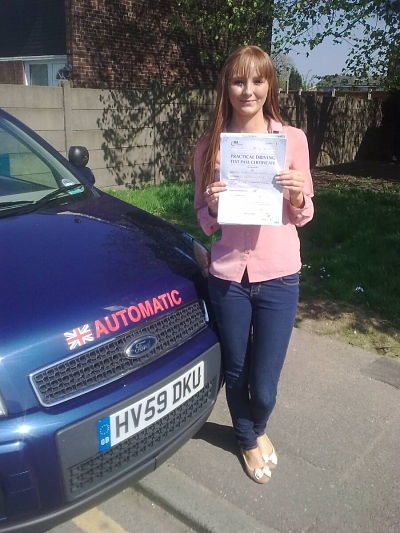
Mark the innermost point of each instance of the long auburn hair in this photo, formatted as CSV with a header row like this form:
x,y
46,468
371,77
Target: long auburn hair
x,y
239,63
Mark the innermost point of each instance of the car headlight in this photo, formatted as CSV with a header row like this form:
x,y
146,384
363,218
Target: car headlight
x,y
3,408
202,256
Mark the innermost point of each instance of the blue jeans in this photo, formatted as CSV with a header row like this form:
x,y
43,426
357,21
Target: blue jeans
x,y
255,321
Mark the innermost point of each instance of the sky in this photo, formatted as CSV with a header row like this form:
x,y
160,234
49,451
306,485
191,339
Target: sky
x,y
326,58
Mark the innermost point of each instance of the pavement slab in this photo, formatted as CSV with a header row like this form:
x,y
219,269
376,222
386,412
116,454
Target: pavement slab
x,y
336,428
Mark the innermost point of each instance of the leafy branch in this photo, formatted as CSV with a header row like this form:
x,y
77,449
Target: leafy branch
x,y
216,27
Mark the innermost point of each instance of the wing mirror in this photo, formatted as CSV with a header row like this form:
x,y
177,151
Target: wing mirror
x,y
79,157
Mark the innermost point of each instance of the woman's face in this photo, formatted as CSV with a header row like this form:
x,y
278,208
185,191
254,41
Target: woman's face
x,y
247,94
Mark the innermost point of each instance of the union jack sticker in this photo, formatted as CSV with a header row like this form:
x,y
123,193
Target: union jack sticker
x,y
79,336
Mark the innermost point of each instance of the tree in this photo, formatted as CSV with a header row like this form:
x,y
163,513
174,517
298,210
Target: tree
x,y
309,81
217,27
295,80
283,65
376,53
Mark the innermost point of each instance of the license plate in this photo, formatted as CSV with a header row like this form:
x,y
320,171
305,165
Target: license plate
x,y
126,422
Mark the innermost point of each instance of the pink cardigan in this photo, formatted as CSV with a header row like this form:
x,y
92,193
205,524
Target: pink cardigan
x,y
268,252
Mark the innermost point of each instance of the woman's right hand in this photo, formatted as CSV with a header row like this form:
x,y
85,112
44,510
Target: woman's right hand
x,y
211,195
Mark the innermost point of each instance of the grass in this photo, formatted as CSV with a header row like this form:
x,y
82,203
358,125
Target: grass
x,y
350,250
171,201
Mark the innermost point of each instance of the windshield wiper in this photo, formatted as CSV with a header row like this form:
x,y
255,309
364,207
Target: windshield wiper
x,y
59,193
28,205
17,203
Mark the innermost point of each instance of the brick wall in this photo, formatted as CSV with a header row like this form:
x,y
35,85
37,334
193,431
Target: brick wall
x,y
11,72
121,44
132,44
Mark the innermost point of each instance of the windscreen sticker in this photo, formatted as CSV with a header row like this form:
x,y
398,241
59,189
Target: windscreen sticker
x,y
133,314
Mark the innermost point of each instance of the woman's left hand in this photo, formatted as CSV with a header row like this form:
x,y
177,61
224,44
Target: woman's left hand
x,y
293,181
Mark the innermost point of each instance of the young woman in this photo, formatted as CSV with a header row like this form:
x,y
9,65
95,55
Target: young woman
x,y
253,276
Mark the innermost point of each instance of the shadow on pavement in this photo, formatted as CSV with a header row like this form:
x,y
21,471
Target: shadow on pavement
x,y
218,435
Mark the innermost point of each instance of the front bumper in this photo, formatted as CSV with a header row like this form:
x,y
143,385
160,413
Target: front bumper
x,y
85,475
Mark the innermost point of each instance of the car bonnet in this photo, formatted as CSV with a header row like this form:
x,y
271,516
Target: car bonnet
x,y
73,276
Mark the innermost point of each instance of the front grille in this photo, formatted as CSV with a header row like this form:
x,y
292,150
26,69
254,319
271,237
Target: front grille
x,y
107,362
126,454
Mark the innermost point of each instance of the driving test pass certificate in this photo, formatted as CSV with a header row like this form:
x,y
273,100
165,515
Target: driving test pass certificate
x,y
249,163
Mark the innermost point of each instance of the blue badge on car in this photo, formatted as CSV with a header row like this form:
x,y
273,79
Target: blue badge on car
x,y
104,435
139,346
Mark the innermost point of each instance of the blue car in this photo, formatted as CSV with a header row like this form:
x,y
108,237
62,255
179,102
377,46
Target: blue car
x,y
109,360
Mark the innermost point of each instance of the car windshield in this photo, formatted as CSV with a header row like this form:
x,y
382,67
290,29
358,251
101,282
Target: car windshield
x,y
30,174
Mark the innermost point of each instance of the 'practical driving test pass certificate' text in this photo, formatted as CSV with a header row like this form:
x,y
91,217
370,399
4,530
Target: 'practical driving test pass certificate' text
x,y
249,164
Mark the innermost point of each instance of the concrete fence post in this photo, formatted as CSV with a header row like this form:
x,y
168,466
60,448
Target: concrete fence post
x,y
67,109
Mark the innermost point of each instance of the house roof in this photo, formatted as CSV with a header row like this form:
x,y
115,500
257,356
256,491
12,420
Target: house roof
x,y
32,28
